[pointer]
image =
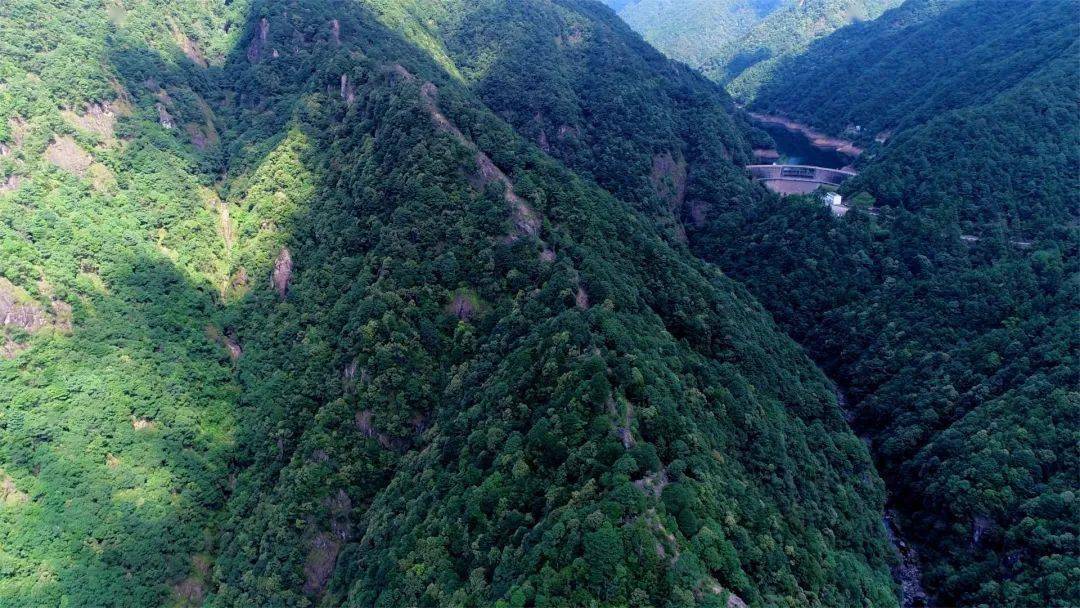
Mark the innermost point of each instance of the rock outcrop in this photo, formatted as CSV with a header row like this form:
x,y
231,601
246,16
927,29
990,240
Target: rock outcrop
x,y
282,273
19,311
67,155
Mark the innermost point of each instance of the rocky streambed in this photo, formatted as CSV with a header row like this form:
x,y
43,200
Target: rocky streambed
x,y
907,572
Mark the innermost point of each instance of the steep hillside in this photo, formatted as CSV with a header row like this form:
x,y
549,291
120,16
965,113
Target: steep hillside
x,y
739,43
117,411
292,317
958,351
574,79
695,31
978,112
920,61
952,313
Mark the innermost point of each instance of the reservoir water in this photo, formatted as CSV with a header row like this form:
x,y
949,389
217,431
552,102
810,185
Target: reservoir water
x,y
796,149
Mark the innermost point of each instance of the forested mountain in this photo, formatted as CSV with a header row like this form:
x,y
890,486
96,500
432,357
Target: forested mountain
x,y
293,316
739,43
979,108
950,312
953,315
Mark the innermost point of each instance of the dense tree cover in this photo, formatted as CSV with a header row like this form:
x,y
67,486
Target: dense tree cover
x,y
465,406
739,43
974,109
574,79
920,61
961,367
952,315
694,32
114,433
339,335
960,354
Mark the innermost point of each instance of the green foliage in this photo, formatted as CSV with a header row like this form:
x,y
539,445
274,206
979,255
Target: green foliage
x,y
960,353
739,43
267,396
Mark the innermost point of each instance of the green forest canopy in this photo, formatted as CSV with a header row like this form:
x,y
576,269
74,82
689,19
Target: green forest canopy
x,y
739,43
952,348
302,321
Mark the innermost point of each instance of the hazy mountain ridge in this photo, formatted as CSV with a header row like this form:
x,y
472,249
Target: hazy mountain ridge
x,y
739,43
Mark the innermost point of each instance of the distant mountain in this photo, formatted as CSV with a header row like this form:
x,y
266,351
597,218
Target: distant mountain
x,y
975,105
739,42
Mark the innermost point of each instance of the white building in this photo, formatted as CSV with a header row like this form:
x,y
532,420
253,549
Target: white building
x,y
835,203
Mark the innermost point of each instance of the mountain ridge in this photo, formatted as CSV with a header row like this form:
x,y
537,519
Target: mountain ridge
x,y
341,336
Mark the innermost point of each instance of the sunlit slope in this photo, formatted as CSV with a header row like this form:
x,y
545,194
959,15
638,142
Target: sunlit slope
x,y
301,320
739,43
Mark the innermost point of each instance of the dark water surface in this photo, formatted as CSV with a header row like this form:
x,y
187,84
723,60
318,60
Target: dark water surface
x,y
796,149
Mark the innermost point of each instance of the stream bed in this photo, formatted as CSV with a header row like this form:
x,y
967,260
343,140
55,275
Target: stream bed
x,y
907,573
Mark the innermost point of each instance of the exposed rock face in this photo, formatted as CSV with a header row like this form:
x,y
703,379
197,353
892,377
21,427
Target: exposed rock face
x,y
141,424
198,138
18,310
525,220
320,563
543,142
348,377
907,572
98,118
10,183
66,154
9,494
233,347
9,349
979,527
228,340
348,90
335,31
398,73
19,129
581,298
363,422
189,48
668,178
419,423
164,117
325,546
463,306
282,273
734,601
258,42
189,591
653,483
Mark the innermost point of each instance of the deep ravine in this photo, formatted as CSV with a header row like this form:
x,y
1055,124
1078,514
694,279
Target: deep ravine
x,y
907,572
